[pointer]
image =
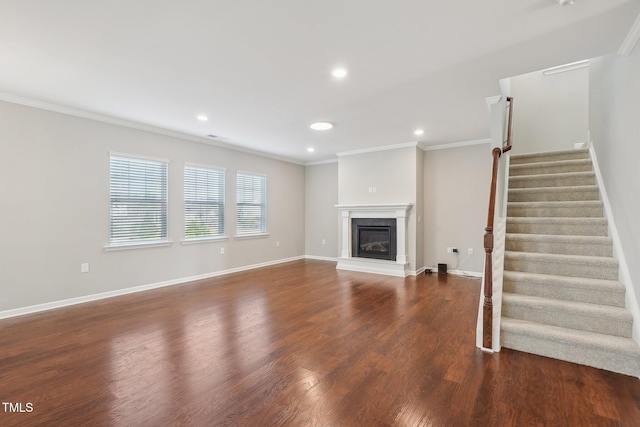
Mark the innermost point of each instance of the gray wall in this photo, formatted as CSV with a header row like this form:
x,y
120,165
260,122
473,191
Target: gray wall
x,y
456,197
615,133
321,214
550,112
54,204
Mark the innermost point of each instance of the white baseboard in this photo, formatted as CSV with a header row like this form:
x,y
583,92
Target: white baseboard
x,y
321,258
434,270
417,272
94,297
624,277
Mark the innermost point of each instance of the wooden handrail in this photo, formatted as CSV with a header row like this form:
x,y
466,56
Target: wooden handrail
x,y
487,306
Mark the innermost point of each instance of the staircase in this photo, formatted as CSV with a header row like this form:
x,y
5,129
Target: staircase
x,y
561,297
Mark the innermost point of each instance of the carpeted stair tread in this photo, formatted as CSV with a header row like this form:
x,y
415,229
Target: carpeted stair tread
x,y
583,240
563,193
593,267
553,180
604,319
586,226
569,259
579,289
567,209
602,351
559,244
559,166
517,159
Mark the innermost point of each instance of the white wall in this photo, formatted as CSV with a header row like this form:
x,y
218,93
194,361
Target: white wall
x,y
550,112
321,214
54,207
615,134
456,198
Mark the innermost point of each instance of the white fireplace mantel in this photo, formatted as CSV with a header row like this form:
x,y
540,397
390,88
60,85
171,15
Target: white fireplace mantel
x,y
400,212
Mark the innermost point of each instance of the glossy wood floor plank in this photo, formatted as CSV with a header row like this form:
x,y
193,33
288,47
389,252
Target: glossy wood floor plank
x,y
299,344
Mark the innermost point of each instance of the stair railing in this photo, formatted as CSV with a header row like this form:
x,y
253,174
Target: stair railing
x,y
502,123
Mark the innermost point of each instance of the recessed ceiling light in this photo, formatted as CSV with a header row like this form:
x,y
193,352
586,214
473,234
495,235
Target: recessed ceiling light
x,y
321,126
311,149
339,72
202,117
418,132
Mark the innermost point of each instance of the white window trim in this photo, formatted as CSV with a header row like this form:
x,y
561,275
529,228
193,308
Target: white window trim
x,y
212,239
137,245
139,157
251,236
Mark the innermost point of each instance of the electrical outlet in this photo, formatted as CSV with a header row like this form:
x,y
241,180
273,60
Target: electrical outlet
x,y
448,250
221,251
324,241
84,267
470,251
278,243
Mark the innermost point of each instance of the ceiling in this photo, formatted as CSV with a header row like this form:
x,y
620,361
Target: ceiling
x,y
260,70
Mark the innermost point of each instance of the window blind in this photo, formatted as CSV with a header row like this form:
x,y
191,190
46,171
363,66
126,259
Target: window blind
x,y
138,193
203,202
251,204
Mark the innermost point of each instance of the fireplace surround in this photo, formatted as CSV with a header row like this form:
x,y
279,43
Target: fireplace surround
x,y
374,238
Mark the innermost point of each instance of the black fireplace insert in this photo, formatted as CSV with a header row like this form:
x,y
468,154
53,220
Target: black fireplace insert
x,y
373,238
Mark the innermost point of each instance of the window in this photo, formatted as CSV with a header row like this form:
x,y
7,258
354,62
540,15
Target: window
x,y
138,192
252,204
203,202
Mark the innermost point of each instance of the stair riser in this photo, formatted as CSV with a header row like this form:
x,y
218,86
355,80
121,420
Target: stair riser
x,y
561,269
571,352
520,170
558,229
565,293
590,249
572,155
555,196
551,181
562,212
568,319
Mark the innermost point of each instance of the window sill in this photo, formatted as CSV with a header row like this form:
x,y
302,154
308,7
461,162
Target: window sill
x,y
137,245
196,240
252,236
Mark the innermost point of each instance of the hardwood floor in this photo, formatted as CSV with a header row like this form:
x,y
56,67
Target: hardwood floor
x,y
299,344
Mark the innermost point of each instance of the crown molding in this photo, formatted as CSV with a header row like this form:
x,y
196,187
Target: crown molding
x,y
457,144
136,125
321,162
381,148
633,36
